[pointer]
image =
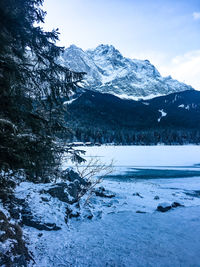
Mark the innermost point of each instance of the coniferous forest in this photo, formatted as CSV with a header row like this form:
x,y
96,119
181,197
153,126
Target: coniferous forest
x,y
129,122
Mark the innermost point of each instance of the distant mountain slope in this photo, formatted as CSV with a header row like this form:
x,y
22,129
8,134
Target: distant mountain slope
x,y
95,113
109,72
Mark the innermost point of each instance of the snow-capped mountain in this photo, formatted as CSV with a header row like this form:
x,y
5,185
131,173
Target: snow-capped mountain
x,y
109,72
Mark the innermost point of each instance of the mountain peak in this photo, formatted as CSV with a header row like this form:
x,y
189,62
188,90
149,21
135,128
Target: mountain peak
x,y
73,47
106,47
105,50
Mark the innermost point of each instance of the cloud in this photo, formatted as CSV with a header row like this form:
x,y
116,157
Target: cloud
x,y
184,68
196,15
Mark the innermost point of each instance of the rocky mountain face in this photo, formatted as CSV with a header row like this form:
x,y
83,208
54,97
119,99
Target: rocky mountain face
x,y
109,72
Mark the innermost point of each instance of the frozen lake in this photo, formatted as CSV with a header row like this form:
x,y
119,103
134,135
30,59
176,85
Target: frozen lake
x,y
128,230
144,156
147,161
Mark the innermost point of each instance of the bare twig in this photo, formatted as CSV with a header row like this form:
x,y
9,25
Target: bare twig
x,y
93,173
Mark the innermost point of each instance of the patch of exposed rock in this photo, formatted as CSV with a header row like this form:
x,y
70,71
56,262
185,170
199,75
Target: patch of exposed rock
x,y
163,207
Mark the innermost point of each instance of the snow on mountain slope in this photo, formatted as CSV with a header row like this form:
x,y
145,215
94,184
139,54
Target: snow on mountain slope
x,y
109,72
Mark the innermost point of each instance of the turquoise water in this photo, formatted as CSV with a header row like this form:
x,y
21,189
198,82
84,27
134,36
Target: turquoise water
x,y
132,173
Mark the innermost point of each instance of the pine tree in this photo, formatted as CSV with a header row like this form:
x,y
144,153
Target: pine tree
x,y
32,86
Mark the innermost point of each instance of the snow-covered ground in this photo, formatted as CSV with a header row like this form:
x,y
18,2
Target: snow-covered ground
x,y
123,239
127,230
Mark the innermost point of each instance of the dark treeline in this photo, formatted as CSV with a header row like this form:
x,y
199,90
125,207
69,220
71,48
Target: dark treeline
x,y
132,137
105,118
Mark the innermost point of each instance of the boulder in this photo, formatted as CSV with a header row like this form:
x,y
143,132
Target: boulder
x,y
177,204
163,207
29,220
102,192
72,176
60,191
70,190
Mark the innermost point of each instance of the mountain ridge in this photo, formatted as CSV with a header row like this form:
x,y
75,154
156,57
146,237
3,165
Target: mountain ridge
x,y
109,72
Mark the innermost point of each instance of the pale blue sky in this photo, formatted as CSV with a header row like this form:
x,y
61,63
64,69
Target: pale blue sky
x,y
167,32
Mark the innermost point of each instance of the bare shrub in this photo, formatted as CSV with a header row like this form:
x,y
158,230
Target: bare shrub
x,y
93,173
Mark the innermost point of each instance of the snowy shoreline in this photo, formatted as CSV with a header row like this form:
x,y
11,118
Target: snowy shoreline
x,y
127,229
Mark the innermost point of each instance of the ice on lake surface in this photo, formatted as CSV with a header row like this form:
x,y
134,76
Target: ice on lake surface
x,y
148,161
130,232
145,156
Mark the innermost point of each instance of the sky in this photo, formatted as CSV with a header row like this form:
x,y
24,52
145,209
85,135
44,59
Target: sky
x,y
166,32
